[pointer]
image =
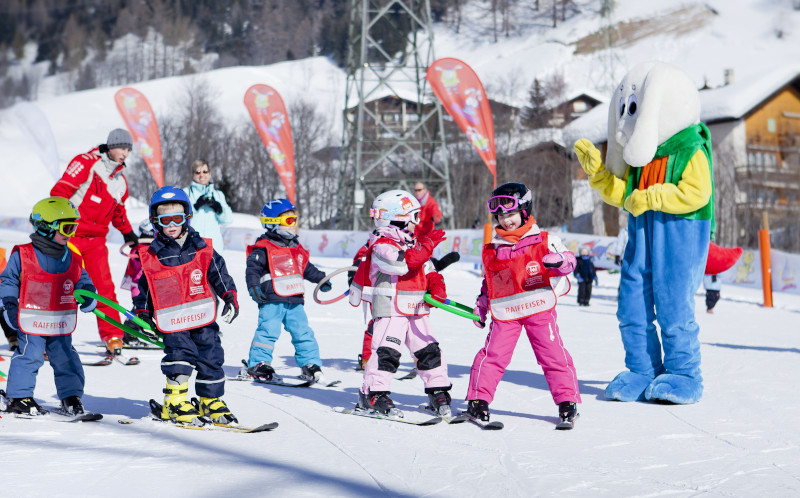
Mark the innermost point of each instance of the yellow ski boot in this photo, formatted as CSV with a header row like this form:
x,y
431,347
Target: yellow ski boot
x,y
176,408
215,409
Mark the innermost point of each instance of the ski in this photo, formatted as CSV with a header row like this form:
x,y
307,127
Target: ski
x,y
127,360
410,375
567,425
276,380
449,419
143,347
51,414
108,359
391,418
319,379
487,426
208,424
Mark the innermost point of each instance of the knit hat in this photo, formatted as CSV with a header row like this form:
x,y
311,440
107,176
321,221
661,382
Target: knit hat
x,y
119,138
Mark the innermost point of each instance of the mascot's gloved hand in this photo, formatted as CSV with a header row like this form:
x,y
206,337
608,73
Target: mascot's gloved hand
x,y
589,157
436,287
231,309
257,294
638,202
481,312
148,318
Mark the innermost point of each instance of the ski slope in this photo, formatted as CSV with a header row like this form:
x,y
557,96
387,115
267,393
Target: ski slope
x,y
742,439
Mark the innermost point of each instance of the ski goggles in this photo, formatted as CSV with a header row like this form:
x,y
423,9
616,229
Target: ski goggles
x,y
168,219
289,220
382,214
67,228
504,203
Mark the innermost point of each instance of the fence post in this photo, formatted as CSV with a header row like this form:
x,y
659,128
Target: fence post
x,y
766,266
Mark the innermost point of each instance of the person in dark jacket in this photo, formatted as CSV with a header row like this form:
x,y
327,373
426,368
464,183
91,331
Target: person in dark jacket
x,y
276,266
585,273
183,275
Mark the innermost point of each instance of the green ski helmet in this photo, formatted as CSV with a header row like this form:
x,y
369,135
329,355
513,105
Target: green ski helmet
x,y
55,214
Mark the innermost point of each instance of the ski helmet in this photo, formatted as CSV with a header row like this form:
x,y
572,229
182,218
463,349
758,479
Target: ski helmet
x,y
273,209
169,194
396,207
516,193
54,214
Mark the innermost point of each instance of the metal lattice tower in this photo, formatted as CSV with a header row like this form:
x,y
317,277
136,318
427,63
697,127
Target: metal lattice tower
x,y
393,126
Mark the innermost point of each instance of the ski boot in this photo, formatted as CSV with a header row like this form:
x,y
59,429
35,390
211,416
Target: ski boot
x,y
131,340
360,364
114,346
479,409
28,406
377,402
439,400
215,409
176,408
262,371
72,405
568,412
312,372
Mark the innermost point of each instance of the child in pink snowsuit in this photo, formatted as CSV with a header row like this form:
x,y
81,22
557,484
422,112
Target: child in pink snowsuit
x,y
523,266
394,277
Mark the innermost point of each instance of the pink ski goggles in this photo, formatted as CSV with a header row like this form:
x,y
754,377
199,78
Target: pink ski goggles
x,y
504,203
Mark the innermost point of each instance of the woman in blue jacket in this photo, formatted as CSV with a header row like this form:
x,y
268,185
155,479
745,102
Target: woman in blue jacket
x,y
210,208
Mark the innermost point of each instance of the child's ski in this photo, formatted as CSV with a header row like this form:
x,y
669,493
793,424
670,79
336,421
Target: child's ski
x,y
410,375
52,414
451,419
209,425
276,380
319,379
487,426
108,359
380,416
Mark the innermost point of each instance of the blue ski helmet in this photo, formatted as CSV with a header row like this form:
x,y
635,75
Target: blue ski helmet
x,y
169,194
275,208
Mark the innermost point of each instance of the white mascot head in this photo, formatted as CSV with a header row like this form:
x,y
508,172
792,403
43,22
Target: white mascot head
x,y
653,102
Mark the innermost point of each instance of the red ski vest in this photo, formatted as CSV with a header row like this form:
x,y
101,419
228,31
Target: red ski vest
x,y
46,304
286,267
182,297
409,294
518,287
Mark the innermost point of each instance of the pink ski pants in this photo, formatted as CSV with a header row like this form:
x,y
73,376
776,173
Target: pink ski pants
x,y
491,361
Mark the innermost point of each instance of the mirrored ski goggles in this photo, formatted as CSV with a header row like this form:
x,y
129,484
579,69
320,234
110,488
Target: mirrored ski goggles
x,y
168,219
506,203
289,220
382,214
67,228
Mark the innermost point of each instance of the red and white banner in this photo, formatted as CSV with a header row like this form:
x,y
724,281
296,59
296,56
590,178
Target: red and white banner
x,y
141,122
268,113
460,90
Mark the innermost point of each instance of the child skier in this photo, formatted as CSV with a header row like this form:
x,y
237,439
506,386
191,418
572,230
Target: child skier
x,y
517,289
36,290
133,272
276,266
177,297
584,274
394,277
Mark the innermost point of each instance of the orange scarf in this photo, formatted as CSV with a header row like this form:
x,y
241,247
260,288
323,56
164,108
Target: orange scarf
x,y
513,236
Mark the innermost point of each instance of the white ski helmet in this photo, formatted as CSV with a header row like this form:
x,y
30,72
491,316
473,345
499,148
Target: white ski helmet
x,y
395,205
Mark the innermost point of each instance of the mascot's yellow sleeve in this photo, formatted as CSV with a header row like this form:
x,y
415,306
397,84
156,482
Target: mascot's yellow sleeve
x,y
692,192
610,188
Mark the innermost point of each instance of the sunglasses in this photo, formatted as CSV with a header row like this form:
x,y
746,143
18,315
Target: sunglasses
x,y
204,172
419,189
287,221
505,203
168,219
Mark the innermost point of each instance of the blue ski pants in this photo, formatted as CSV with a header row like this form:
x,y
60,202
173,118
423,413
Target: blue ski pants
x,y
271,316
29,357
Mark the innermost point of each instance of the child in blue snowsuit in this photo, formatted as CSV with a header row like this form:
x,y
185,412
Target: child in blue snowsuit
x,y
276,266
36,288
584,274
183,275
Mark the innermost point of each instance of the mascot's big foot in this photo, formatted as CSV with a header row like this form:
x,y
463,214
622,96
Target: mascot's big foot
x,y
628,386
678,389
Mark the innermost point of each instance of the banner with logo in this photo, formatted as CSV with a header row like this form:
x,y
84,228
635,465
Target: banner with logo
x,y
461,93
269,115
141,122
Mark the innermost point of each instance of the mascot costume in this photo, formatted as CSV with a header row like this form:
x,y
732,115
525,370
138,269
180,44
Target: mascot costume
x,y
658,168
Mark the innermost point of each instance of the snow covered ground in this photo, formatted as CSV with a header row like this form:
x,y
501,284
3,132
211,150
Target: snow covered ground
x,y
742,439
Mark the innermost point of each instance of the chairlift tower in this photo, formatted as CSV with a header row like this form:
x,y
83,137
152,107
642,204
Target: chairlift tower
x,y
393,124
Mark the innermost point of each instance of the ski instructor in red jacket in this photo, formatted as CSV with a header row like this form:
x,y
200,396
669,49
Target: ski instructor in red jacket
x,y
94,182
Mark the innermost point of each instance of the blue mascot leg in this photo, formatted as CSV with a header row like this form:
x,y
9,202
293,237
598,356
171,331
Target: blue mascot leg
x,y
680,248
636,315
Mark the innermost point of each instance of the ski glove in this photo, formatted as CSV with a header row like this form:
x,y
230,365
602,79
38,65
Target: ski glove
x,y
89,305
596,282
148,318
552,260
432,240
326,287
231,309
482,314
559,263
11,305
436,287
257,294
200,202
215,205
130,238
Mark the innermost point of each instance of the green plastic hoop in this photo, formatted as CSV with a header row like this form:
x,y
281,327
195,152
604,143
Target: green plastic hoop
x,y
453,307
80,294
